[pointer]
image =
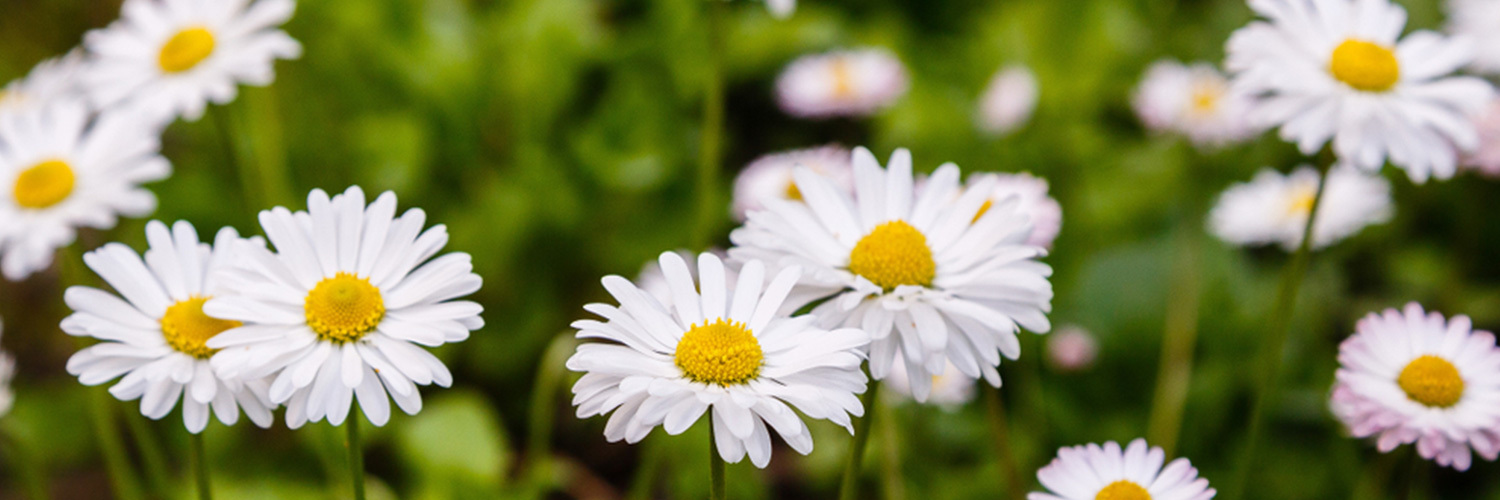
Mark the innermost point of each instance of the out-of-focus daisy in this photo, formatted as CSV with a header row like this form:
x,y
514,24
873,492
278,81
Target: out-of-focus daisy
x,y
170,58
1486,159
61,169
1479,20
1273,208
1094,472
7,373
53,79
781,8
925,272
770,177
716,346
339,310
1008,100
155,332
1071,349
950,390
1195,101
1335,69
841,83
1044,212
1412,377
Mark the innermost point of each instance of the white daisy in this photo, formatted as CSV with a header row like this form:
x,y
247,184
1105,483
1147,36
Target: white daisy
x,y
1273,208
169,58
53,79
914,269
1071,349
7,374
770,177
338,311
1335,69
781,8
1479,20
1486,158
1195,101
950,389
719,346
841,83
156,336
1044,212
61,169
1106,472
1412,377
1008,100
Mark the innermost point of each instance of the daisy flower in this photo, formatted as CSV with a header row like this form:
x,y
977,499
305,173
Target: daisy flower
x,y
154,333
841,83
925,272
7,374
1096,472
770,177
170,58
1273,208
53,79
1486,159
1479,20
781,9
339,309
1337,70
1044,212
1412,377
1071,349
950,390
1008,100
61,169
1195,101
718,345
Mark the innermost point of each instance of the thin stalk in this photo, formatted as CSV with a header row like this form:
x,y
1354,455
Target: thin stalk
x,y
709,210
549,378
849,487
122,477
153,458
716,487
226,125
24,463
895,482
1417,482
1004,448
643,483
356,454
1179,338
1268,366
198,461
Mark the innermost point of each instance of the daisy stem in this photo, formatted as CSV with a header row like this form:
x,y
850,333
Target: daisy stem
x,y
153,458
356,455
1268,366
716,488
709,212
849,487
1179,337
1004,449
895,482
198,460
122,477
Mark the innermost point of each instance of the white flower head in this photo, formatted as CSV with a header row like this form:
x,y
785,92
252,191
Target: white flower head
x,y
951,389
1486,159
721,346
154,333
1044,212
770,177
1273,208
1479,20
1008,100
7,375
169,58
1337,70
53,79
340,309
1195,101
1071,349
781,9
841,83
1096,472
62,168
920,270
1413,377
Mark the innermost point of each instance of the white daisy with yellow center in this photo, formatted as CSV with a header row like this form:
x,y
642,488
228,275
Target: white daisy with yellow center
x,y
1094,472
340,309
1411,376
62,168
951,390
841,83
933,272
1195,101
1034,203
53,79
1337,70
721,345
770,177
1273,208
154,333
169,59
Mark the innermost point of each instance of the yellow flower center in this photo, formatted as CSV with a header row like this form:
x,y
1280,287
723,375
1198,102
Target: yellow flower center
x,y
1365,66
1123,490
723,352
792,193
187,329
344,308
892,255
1205,99
44,184
1432,381
185,50
1301,203
843,79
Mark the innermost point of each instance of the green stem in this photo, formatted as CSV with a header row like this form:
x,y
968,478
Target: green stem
x,y
895,482
716,488
198,460
122,477
153,458
549,378
849,487
1268,366
226,125
643,483
1179,337
356,454
1004,448
709,210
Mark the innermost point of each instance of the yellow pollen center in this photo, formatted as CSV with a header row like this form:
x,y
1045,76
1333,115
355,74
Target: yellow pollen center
x,y
344,308
185,50
1432,381
187,329
792,193
843,79
892,255
1123,490
1301,203
723,352
1365,66
44,184
1205,100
